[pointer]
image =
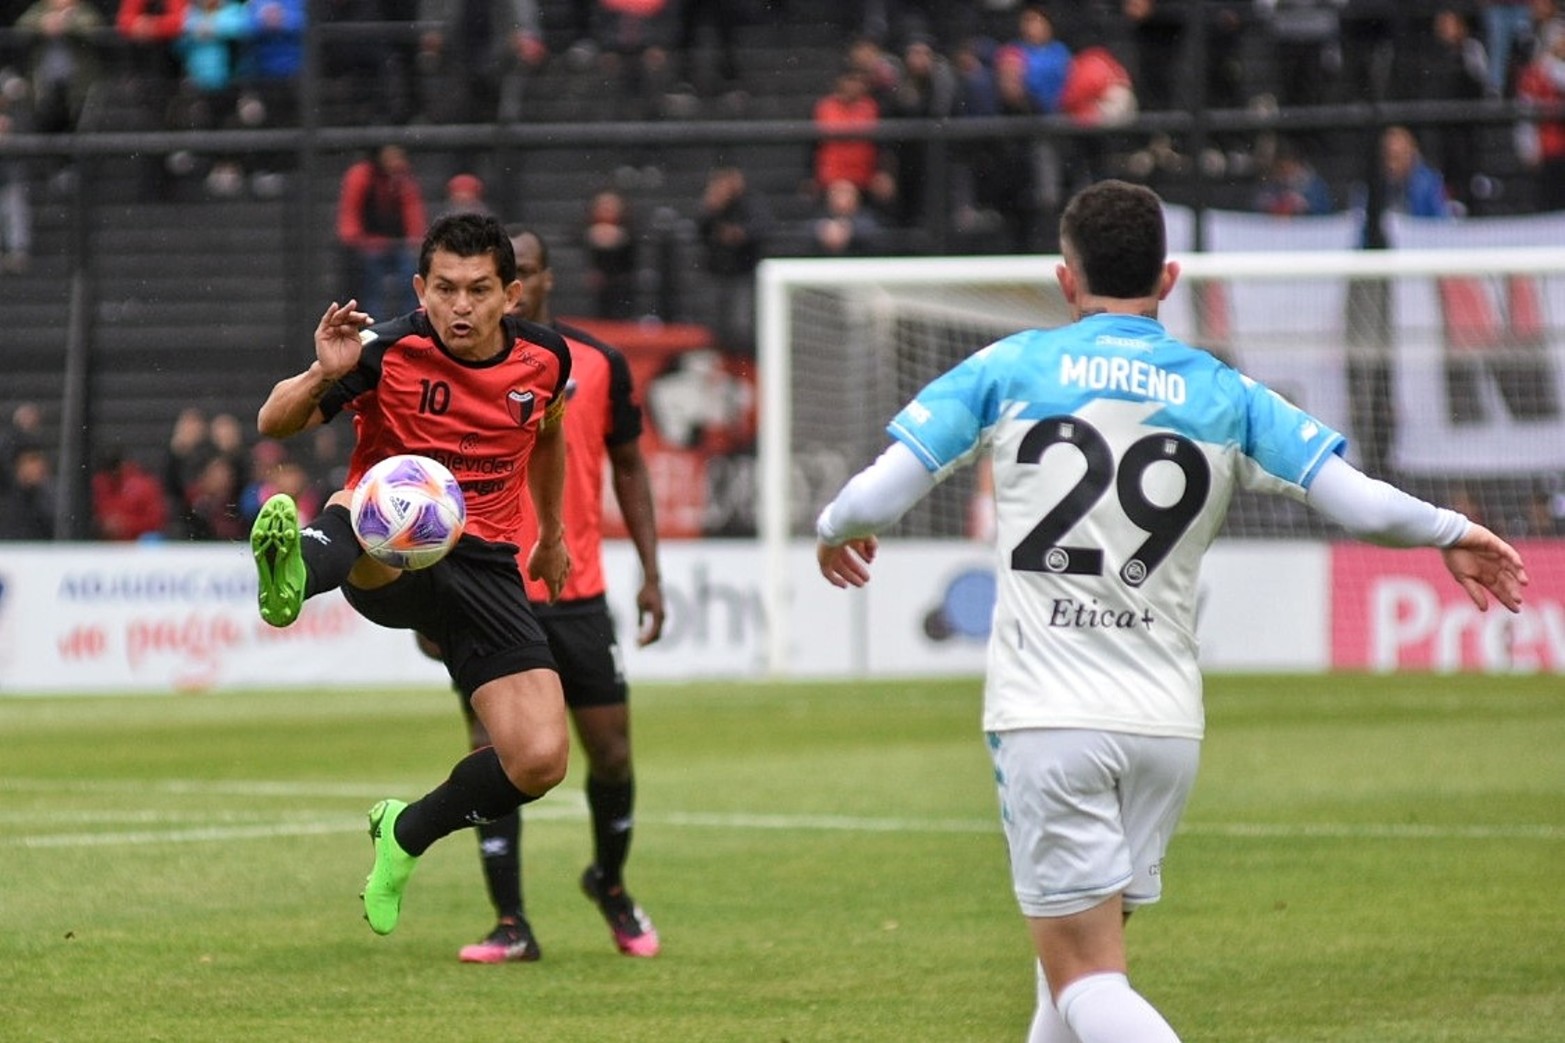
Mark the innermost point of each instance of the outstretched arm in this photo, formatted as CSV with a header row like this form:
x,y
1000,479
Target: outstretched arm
x,y
1380,513
872,500
294,403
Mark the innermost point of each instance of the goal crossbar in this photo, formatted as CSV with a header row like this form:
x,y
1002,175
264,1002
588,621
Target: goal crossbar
x,y
779,279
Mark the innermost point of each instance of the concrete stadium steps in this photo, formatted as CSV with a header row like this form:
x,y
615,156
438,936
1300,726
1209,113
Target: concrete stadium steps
x,y
192,309
36,305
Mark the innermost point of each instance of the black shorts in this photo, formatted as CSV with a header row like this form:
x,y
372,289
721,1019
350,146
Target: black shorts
x,y
473,605
581,636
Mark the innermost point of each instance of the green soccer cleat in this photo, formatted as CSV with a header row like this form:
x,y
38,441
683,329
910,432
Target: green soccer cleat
x,y
383,887
279,564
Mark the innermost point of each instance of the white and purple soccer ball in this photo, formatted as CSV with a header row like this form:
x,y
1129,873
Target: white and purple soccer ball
x,y
408,511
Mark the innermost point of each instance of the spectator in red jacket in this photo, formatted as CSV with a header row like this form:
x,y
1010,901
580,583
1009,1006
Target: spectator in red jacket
x,y
380,223
1097,89
127,499
848,106
1542,144
1097,93
150,27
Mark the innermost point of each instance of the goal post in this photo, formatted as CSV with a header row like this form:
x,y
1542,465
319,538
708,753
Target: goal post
x,y
1444,367
848,317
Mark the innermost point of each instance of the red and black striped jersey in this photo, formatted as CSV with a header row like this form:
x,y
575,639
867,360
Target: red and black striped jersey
x,y
480,419
603,412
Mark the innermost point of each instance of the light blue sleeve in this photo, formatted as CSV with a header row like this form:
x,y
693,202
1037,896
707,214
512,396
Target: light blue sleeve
x,y
944,425
1284,440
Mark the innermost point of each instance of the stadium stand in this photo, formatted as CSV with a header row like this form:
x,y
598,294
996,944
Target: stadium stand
x,y
191,294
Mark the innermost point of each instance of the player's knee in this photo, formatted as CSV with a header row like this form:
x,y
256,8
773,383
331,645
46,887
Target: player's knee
x,y
609,760
605,739
538,767
369,574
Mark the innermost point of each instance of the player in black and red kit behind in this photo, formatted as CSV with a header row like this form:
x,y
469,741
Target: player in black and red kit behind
x,y
461,381
604,424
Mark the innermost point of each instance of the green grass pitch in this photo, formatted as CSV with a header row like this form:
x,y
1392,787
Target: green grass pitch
x,y
1365,860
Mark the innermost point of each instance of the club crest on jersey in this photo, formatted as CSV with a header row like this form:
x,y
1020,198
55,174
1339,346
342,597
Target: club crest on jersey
x,y
520,405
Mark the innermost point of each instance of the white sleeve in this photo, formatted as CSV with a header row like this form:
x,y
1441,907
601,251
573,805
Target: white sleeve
x,y
875,497
1380,513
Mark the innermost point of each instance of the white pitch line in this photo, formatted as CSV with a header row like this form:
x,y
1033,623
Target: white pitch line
x,y
820,823
199,832
206,787
186,836
804,823
1373,831
37,816
254,824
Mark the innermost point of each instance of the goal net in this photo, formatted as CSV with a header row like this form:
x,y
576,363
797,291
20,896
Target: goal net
x,y
1442,361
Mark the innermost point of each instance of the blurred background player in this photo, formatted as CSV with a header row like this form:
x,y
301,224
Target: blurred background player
x,y
604,422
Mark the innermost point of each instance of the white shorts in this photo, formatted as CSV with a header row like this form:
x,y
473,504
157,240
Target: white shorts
x,y
1089,814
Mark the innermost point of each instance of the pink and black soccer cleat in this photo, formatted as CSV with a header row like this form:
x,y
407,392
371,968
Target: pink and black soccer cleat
x,y
633,932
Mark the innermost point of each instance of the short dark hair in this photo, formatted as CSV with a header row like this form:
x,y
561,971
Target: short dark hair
x,y
516,232
1115,230
469,234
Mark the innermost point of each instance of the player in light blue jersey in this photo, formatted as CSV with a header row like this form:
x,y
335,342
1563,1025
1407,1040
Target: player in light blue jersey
x,y
1116,450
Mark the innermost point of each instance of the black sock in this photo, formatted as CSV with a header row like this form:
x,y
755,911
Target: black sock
x,y
476,791
330,550
611,804
500,853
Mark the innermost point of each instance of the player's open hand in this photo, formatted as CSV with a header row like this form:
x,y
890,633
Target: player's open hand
x,y
1484,564
337,342
551,563
846,565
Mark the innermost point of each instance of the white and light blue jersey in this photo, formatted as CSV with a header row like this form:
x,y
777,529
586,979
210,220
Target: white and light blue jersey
x,y
1116,451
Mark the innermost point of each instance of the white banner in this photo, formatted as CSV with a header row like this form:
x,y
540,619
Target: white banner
x,y
1480,361
121,619
170,617
1289,334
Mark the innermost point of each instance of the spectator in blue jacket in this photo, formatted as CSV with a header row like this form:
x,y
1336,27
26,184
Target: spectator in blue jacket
x,y
1409,185
270,61
275,50
1413,187
1048,60
205,46
1291,186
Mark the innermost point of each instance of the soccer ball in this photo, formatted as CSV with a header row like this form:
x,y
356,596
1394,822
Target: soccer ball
x,y
408,511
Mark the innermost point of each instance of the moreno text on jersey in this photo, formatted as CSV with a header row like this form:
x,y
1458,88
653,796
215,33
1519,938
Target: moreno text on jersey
x,y
1129,376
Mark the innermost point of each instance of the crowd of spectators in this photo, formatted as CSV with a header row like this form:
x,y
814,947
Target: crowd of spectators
x,y
1097,64
470,60
233,63
1103,64
236,63
208,485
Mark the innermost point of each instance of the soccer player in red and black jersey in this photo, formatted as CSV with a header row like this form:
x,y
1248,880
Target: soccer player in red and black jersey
x,y
604,423
482,391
